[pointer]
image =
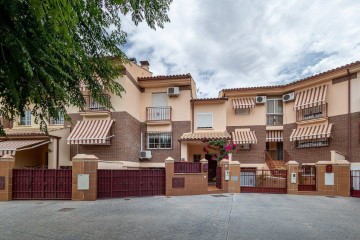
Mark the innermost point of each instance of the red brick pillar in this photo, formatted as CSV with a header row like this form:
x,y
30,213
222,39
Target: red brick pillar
x,y
7,164
204,179
169,173
224,164
234,182
84,177
292,168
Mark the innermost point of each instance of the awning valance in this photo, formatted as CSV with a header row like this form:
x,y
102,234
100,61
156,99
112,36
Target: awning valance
x,y
311,132
244,136
204,135
243,103
274,136
11,146
91,132
310,97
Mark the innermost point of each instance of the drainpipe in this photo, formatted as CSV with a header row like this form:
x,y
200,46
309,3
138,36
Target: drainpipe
x,y
192,117
349,116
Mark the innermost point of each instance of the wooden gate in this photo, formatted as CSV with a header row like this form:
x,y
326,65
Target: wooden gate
x,y
42,184
307,178
263,181
128,183
355,183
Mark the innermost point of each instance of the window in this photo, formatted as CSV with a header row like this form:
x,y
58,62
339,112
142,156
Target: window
x,y
197,157
159,140
242,111
274,112
204,120
306,143
159,99
26,119
58,121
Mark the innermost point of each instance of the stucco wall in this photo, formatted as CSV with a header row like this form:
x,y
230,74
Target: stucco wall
x,y
31,158
257,115
219,114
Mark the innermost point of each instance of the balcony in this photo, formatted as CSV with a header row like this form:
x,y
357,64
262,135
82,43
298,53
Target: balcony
x,y
312,113
274,119
158,114
92,106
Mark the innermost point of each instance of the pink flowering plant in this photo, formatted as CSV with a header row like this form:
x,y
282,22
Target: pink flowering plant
x,y
222,147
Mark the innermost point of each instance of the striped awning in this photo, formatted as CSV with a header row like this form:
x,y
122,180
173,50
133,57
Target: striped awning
x,y
311,132
243,103
11,146
244,136
91,132
310,97
274,136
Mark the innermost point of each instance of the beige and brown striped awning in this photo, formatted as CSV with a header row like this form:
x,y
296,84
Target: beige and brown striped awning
x,y
274,136
91,132
311,132
204,135
11,146
243,103
244,136
310,97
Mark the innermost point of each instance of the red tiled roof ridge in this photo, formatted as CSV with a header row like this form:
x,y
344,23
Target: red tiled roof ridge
x,y
209,99
296,81
176,76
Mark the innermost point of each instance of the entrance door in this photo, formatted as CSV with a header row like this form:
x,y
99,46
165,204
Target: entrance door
x,y
275,150
211,169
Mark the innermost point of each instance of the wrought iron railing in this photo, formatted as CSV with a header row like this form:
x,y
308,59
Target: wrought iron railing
x,y
158,113
274,119
187,167
307,178
312,113
93,105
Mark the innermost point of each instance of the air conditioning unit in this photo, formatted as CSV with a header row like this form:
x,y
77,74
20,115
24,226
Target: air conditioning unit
x,y
260,99
173,91
289,97
145,154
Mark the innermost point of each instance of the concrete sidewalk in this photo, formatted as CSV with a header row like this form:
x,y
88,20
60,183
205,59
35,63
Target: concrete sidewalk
x,y
241,216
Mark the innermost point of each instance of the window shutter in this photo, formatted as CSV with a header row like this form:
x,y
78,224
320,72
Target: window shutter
x,y
204,120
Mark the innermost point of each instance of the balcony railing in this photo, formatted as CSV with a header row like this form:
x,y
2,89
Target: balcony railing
x,y
158,114
93,105
274,119
311,113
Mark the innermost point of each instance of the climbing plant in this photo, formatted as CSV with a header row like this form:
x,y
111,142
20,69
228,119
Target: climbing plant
x,y
220,149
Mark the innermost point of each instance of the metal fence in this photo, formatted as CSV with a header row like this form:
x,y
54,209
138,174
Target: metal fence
x,y
263,181
187,167
355,183
307,178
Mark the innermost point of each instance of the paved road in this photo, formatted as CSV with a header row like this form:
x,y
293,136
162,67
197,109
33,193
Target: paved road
x,y
242,216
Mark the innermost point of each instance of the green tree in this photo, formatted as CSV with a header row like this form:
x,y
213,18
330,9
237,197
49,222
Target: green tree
x,y
47,47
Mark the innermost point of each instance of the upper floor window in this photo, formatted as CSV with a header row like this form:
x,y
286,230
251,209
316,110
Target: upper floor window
x,y
159,140
309,113
26,119
274,112
57,121
242,111
159,99
204,120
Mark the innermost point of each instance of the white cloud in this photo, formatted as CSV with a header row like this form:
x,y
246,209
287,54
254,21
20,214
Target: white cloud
x,y
226,44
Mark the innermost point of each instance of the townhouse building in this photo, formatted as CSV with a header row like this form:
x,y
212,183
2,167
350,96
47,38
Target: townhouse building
x,y
160,116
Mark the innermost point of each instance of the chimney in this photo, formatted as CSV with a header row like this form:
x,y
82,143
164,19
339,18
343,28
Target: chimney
x,y
133,60
145,65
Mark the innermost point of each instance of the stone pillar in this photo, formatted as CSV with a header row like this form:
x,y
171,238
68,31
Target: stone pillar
x,y
169,173
7,164
224,164
204,178
336,182
84,172
234,182
292,167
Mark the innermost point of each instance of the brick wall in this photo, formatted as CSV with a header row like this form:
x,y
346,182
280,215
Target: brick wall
x,y
355,135
178,128
125,145
257,152
339,142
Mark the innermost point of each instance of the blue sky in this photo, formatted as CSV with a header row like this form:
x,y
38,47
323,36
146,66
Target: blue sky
x,y
226,44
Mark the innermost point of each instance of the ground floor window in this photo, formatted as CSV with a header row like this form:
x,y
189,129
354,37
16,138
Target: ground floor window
x,y
159,140
197,157
306,143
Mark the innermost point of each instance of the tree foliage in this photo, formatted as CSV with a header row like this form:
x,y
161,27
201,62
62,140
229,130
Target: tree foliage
x,y
48,47
220,149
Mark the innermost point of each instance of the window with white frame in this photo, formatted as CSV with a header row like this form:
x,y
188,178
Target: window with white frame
x,y
57,121
159,140
274,112
204,120
26,119
242,111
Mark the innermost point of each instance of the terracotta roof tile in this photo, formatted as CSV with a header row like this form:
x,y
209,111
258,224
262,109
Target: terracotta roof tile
x,y
166,77
297,81
28,131
208,135
208,99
